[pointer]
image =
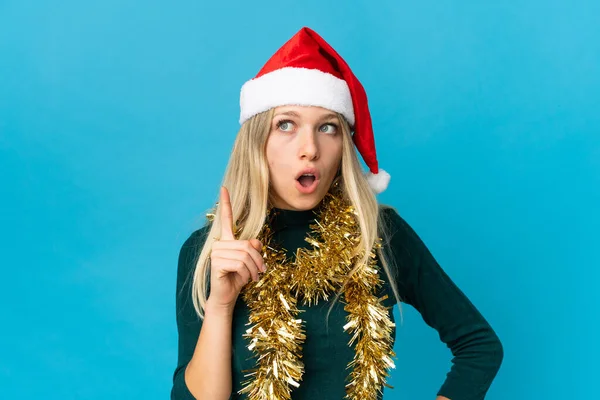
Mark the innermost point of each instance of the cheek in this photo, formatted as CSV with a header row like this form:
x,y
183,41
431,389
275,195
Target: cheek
x,y
272,158
336,154
270,153
275,158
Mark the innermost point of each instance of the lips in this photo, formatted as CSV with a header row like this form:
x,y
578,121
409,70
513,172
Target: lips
x,y
307,180
309,171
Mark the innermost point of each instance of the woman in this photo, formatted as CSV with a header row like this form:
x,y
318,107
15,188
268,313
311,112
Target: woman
x,y
287,292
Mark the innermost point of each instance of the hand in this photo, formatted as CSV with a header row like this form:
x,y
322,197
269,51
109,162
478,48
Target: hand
x,y
233,262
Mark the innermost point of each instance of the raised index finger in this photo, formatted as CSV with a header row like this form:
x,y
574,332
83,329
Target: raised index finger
x,y
226,215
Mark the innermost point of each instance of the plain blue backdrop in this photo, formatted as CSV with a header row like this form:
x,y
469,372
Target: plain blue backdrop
x,y
117,119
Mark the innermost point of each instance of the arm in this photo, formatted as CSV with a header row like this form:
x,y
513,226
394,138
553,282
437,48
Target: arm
x,y
208,374
204,361
476,348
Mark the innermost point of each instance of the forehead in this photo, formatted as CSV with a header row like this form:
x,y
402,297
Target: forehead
x,y
305,111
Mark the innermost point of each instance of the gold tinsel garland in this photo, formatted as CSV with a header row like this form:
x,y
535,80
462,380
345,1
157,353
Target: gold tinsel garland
x,y
276,333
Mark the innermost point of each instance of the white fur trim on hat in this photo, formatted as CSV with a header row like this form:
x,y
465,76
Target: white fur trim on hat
x,y
295,86
378,182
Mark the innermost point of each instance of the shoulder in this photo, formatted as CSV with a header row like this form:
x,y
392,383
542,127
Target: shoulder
x,y
196,238
398,235
391,223
387,212
190,249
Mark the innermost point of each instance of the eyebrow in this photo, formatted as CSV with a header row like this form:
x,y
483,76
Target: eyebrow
x,y
295,114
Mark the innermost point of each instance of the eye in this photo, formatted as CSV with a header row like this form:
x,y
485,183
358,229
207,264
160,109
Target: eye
x,y
285,125
329,128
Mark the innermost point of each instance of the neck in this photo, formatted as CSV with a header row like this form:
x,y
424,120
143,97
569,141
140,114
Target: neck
x,y
281,218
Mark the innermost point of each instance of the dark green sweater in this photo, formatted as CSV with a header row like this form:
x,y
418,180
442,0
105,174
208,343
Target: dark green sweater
x,y
421,282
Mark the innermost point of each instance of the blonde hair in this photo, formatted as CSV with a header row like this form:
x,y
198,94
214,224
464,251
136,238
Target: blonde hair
x,y
247,179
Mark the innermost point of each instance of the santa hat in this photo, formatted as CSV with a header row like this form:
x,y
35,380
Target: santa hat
x,y
307,71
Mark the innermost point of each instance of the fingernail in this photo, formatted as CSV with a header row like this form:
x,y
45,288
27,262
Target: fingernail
x,y
264,267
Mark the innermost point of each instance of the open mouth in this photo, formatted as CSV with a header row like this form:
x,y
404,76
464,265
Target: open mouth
x,y
306,180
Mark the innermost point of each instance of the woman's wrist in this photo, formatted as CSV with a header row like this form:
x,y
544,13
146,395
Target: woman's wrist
x,y
216,309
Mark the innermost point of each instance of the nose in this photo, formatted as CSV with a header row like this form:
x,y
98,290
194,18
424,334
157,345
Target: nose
x,y
308,146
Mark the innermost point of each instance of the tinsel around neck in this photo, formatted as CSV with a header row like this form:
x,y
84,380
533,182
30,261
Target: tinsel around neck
x,y
276,332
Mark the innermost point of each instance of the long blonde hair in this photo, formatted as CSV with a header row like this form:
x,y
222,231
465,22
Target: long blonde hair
x,y
247,179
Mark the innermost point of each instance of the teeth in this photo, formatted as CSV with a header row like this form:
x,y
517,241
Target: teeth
x,y
307,175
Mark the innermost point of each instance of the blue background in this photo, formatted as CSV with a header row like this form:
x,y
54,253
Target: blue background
x,y
117,118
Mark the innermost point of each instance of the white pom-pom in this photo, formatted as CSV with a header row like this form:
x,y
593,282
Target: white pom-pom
x,y
378,182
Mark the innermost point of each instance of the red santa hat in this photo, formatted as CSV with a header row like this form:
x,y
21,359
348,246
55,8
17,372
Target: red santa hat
x,y
307,71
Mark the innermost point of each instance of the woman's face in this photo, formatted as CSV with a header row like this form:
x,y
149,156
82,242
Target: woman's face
x,y
304,151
